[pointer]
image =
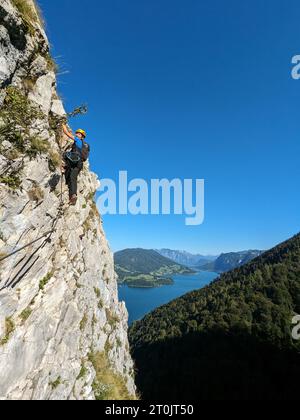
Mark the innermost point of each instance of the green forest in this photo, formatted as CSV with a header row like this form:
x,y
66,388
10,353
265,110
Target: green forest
x,y
230,340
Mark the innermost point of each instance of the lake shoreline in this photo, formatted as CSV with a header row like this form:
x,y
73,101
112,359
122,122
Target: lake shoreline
x,y
142,300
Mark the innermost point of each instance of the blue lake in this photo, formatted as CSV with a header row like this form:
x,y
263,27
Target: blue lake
x,y
140,301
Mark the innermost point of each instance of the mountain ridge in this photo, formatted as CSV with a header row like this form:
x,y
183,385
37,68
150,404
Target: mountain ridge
x,y
230,260
138,267
185,258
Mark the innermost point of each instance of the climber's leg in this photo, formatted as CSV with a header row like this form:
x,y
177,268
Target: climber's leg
x,y
68,175
73,182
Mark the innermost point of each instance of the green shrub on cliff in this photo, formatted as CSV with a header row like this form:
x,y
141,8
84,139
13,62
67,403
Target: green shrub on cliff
x,y
17,118
29,14
108,385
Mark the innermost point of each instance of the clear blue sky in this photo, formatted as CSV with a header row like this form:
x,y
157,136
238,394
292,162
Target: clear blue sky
x,y
189,89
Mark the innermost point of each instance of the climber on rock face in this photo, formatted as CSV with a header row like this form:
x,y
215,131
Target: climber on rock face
x,y
73,160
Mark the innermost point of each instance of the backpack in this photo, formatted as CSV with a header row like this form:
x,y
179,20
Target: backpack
x,y
85,151
82,154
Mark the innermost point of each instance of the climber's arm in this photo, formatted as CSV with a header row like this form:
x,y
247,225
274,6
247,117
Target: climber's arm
x,y
68,133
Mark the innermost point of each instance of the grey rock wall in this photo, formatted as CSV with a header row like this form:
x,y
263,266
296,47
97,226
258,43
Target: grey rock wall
x,y
58,297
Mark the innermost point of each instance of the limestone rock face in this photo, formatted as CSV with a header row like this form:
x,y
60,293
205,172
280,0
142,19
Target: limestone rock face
x,y
59,302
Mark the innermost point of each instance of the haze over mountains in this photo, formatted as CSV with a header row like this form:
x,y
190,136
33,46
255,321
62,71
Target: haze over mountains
x,y
218,264
186,258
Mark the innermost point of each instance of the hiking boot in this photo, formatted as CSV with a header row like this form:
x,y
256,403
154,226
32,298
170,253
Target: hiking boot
x,y
73,200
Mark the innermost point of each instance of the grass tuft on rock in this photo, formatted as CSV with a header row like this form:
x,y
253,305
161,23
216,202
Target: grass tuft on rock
x,y
25,314
108,384
29,14
45,280
55,383
9,329
13,181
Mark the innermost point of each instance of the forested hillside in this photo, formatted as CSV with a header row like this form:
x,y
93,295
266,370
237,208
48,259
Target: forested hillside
x,y
230,340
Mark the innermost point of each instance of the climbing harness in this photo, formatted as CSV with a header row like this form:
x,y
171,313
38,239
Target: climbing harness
x,y
73,157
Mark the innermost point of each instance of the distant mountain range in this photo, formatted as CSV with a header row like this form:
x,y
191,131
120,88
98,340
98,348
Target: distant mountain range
x,y
146,268
229,261
139,267
218,264
186,258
